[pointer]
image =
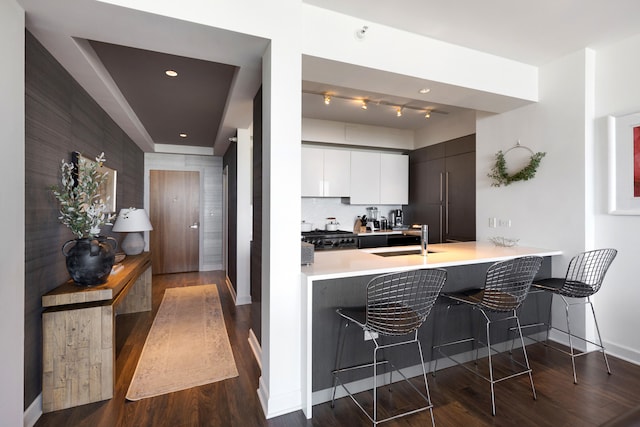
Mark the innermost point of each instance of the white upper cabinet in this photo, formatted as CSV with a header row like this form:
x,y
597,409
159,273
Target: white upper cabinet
x,y
394,179
325,172
337,177
312,172
379,178
365,177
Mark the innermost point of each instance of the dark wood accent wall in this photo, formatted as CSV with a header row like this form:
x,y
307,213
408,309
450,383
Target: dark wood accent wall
x,y
256,243
60,117
230,160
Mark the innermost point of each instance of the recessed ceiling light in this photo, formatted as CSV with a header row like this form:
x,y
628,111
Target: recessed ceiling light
x,y
424,90
171,73
183,135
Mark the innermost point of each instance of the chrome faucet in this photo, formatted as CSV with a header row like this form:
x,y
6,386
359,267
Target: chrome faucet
x,y
424,239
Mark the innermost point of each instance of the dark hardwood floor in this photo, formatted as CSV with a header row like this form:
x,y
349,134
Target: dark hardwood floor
x,y
460,398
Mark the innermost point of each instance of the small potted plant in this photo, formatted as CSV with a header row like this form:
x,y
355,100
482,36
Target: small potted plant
x,y
89,257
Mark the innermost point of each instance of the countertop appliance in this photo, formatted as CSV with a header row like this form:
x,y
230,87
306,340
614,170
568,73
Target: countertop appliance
x,y
396,218
323,240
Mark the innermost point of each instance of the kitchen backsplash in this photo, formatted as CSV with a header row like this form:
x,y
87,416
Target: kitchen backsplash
x,y
317,210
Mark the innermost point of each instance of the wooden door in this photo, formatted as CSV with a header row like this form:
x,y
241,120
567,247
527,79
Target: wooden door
x,y
174,210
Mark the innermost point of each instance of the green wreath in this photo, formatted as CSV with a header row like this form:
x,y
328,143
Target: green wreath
x,y
499,173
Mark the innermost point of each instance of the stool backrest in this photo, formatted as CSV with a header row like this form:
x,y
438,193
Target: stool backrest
x,y
398,303
507,283
586,272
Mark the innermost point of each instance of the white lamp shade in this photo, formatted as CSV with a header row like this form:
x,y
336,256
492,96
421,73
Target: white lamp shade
x,y
131,220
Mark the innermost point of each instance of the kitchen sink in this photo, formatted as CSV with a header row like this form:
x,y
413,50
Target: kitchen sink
x,y
401,253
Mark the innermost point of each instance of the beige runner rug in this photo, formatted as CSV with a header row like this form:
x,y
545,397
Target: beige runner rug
x,y
187,345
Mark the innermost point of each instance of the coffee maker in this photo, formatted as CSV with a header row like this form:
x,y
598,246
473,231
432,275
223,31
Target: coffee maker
x,y
396,218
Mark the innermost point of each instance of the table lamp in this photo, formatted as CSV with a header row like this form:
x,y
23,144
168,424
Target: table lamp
x,y
132,221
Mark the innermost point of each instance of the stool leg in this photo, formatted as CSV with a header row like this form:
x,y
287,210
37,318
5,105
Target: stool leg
x,y
375,383
493,397
599,337
573,357
446,317
344,324
424,375
526,358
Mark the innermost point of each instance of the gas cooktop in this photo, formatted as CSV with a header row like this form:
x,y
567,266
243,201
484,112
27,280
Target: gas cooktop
x,y
328,240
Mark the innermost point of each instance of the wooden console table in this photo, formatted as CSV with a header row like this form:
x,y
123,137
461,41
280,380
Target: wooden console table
x,y
78,328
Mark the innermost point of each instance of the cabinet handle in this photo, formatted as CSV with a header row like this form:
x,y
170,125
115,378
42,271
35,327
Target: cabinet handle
x,y
441,189
440,225
446,211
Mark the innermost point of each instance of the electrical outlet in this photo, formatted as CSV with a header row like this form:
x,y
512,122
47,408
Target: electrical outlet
x,y
368,335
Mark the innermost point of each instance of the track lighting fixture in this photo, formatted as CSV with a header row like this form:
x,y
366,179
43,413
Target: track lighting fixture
x,y
364,104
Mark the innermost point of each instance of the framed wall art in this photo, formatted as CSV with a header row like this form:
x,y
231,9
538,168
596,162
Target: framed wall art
x,y
108,188
624,164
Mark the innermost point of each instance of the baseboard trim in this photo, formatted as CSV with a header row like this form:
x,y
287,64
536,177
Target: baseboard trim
x,y
231,290
274,407
256,349
621,352
33,413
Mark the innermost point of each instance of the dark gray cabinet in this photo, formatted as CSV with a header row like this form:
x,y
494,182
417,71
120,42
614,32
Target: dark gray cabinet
x,y
442,190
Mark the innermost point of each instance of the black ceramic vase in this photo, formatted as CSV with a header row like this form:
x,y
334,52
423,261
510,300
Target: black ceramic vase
x,y
89,261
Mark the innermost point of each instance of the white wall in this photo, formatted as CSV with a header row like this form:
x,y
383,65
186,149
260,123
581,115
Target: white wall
x,y
552,210
549,210
210,169
12,219
332,132
617,93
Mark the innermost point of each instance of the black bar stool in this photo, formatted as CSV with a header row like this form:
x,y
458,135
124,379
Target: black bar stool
x,y
584,278
397,304
506,286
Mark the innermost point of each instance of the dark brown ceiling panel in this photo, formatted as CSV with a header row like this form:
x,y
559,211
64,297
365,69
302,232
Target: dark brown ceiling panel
x,y
193,102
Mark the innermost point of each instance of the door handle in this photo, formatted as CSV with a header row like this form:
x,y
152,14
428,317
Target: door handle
x,y
446,207
194,225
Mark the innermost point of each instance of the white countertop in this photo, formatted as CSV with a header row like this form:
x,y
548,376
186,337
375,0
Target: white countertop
x,y
360,262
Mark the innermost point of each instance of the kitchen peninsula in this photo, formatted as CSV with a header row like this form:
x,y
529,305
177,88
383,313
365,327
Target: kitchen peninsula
x,y
338,279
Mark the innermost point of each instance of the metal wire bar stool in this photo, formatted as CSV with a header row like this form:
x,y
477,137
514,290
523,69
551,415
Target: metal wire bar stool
x,y
506,286
584,278
397,304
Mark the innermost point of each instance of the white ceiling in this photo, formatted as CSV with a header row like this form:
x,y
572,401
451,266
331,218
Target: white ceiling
x,y
530,32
